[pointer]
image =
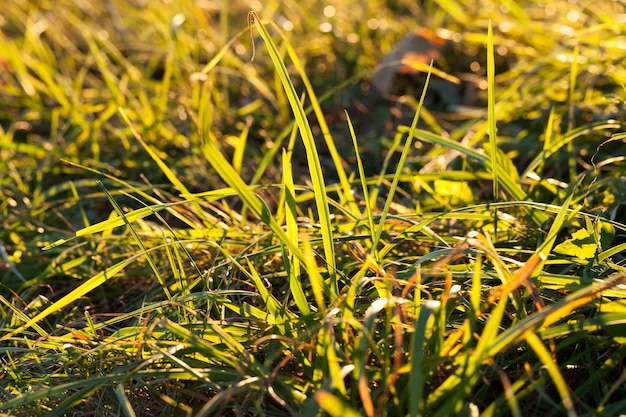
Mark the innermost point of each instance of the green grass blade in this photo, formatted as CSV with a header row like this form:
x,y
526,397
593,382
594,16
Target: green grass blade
x,y
552,313
132,231
334,405
293,263
112,223
88,286
321,119
418,355
20,314
491,112
230,176
59,391
555,228
318,285
122,399
548,362
221,53
460,385
556,144
571,161
163,166
315,168
512,186
153,154
240,148
326,346
403,157
74,399
272,305
362,177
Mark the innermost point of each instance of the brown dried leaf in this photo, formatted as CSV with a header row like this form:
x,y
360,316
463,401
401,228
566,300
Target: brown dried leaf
x,y
412,55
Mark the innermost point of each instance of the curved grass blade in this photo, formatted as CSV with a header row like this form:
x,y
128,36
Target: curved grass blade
x,y
556,144
243,191
511,186
93,383
273,308
545,357
88,286
315,168
144,251
321,119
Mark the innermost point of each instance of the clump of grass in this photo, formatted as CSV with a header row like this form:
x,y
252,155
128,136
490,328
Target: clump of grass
x,y
480,271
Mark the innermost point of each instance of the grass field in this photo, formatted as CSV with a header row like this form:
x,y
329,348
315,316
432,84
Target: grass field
x,y
209,208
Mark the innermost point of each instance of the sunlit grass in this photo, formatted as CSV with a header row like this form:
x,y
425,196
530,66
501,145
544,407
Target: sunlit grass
x,y
188,231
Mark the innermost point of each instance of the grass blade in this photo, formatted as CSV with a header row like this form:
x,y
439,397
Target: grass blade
x,y
548,362
418,354
292,262
334,405
86,287
491,112
394,184
122,399
511,186
362,177
132,231
230,176
321,119
315,168
556,144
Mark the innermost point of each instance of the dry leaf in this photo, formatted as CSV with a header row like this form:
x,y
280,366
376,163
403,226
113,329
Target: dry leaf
x,y
415,50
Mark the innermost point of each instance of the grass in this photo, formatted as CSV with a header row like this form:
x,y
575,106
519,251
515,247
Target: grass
x,y
187,231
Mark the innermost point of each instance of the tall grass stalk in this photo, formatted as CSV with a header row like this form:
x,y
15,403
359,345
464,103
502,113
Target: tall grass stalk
x,y
315,169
